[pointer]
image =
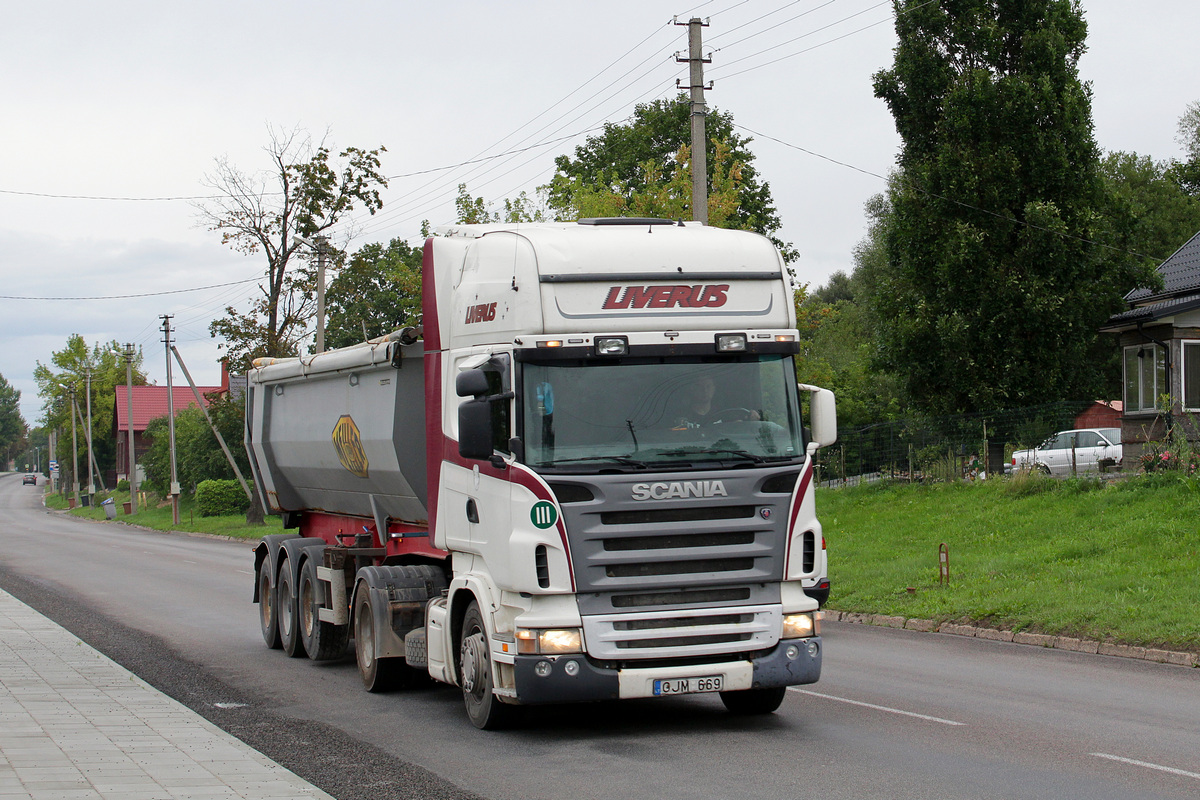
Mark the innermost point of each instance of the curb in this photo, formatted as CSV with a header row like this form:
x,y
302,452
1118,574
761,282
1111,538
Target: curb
x,y
1177,658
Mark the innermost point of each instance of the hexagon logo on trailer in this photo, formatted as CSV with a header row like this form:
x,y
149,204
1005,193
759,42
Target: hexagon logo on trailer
x,y
543,515
348,443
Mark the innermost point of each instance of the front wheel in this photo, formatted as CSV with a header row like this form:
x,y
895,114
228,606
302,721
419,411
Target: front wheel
x,y
754,701
485,710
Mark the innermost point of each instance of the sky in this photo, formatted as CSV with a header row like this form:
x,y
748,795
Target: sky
x,y
114,113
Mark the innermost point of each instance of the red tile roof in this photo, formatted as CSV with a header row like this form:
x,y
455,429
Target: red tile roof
x,y
150,402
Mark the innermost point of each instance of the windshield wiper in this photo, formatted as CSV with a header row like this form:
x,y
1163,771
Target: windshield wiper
x,y
626,460
739,453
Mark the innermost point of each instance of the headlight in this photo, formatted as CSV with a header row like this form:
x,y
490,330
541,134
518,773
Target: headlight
x,y
801,626
549,642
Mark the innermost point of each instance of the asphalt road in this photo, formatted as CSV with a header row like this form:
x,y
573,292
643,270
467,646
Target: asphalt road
x,y
897,714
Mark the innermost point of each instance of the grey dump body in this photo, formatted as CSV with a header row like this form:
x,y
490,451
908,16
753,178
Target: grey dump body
x,y
379,390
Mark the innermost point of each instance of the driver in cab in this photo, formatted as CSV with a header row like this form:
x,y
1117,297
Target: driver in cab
x,y
700,409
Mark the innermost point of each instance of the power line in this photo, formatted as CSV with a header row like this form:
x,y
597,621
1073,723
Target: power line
x,y
132,296
104,197
917,187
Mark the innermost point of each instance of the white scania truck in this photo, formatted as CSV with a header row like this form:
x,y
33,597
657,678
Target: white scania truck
x,y
583,476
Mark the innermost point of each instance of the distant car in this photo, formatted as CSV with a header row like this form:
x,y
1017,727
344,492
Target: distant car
x,y
1086,449
29,478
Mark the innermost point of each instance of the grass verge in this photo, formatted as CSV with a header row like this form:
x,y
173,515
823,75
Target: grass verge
x,y
157,516
1109,561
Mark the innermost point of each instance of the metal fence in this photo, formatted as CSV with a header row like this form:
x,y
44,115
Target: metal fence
x,y
939,448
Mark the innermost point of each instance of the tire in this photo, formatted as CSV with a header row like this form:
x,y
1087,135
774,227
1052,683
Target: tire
x,y
1043,469
754,701
484,708
288,612
323,641
267,604
378,674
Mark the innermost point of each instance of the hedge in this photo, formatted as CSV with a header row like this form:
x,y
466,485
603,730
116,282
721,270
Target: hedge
x,y
221,498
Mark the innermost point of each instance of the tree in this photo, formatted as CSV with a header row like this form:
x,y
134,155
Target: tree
x,y
663,195
302,193
198,454
837,333
378,291
637,159
1187,172
1149,210
69,368
993,288
477,211
12,424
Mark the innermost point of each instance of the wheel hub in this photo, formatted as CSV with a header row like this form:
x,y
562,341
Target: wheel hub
x,y
473,663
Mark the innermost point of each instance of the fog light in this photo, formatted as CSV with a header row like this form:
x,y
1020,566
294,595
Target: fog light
x,y
813,649
731,342
792,652
541,669
612,346
572,668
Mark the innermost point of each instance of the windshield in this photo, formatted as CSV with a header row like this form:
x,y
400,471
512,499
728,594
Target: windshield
x,y
649,412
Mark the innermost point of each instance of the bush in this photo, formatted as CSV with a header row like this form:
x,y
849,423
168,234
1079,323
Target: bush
x,y
221,498
122,485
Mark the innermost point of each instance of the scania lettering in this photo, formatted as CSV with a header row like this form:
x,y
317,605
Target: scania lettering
x,y
583,475
663,491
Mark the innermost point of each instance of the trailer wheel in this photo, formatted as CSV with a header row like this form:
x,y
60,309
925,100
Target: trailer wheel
x,y
378,674
485,710
267,605
323,641
287,612
754,701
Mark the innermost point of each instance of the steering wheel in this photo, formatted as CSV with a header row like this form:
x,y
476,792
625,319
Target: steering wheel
x,y
735,414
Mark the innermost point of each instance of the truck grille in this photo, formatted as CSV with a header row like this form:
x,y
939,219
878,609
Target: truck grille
x,y
664,634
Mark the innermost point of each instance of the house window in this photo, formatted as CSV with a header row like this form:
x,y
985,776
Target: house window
x,y
1145,376
1191,375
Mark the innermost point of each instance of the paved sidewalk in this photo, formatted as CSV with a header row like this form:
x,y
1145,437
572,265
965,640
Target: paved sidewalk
x,y
74,724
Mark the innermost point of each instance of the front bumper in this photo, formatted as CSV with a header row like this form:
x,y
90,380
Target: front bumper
x,y
790,663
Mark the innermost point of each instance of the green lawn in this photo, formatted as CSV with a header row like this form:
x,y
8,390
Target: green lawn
x,y
1116,562
160,518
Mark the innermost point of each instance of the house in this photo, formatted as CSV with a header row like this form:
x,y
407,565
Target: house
x,y
150,402
1100,414
1159,335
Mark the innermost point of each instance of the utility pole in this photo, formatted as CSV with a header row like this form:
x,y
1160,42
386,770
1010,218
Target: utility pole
x,y
88,436
320,244
696,62
132,461
166,329
74,444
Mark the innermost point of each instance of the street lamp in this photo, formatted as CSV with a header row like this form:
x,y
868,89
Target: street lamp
x,y
321,245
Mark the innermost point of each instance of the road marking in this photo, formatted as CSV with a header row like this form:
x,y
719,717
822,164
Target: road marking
x,y
1148,765
877,708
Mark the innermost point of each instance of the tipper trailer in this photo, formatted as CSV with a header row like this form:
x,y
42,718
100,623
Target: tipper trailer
x,y
582,476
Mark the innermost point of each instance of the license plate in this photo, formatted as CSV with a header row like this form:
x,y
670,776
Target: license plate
x,y
708,683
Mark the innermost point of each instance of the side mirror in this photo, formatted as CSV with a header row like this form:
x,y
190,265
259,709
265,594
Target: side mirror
x,y
475,435
822,415
471,383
